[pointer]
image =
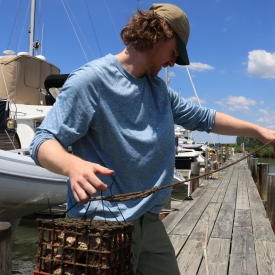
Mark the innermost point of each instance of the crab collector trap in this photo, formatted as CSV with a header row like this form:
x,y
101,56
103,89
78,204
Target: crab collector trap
x,y
81,247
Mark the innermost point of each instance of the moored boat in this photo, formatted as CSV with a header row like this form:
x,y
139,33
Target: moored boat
x,y
24,103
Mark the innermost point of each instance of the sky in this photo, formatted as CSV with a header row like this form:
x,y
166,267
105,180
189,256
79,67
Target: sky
x,y
231,48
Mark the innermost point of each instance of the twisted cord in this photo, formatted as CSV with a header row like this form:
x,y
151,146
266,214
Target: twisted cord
x,y
146,193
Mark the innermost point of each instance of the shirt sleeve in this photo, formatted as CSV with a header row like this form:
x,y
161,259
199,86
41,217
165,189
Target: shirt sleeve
x,y
190,115
72,113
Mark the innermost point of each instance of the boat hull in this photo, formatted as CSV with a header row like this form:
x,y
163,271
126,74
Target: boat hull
x,y
27,188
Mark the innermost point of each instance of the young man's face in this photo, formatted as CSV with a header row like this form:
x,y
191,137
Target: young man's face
x,y
162,55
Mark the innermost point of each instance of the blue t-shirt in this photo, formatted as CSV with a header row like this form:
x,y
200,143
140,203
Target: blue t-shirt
x,y
126,124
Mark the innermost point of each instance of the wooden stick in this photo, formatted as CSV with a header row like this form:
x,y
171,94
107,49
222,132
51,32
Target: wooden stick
x,y
205,251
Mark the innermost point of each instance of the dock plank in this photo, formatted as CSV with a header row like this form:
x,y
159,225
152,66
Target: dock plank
x,y
217,257
240,239
265,254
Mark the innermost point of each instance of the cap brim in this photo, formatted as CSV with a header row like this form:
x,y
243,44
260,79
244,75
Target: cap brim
x,y
182,59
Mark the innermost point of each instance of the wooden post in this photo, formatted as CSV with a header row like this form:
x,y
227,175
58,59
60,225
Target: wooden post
x,y
250,163
223,158
262,170
195,171
5,248
270,205
214,166
227,155
219,157
254,169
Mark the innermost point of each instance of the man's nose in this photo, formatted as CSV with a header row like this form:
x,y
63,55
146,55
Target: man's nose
x,y
171,62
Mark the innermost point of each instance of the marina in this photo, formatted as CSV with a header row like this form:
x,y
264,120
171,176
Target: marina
x,y
221,228
224,204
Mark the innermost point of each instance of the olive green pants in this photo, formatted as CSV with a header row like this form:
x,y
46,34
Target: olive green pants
x,y
153,253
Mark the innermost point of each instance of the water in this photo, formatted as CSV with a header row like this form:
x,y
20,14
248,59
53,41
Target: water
x,y
271,162
24,247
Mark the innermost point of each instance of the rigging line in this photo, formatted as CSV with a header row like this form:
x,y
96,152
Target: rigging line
x,y
42,37
93,28
11,32
81,31
39,22
74,30
45,23
113,22
15,21
146,193
196,95
16,25
26,15
193,85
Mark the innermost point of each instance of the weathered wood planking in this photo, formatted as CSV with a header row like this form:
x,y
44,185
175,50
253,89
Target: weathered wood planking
x,y
240,239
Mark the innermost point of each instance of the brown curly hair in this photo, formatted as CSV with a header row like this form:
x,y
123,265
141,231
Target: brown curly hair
x,y
144,30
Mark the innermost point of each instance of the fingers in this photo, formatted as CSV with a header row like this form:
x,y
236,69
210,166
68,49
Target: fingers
x,y
85,182
98,169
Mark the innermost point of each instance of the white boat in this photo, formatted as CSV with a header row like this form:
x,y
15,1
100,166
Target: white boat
x,y
24,102
187,150
27,188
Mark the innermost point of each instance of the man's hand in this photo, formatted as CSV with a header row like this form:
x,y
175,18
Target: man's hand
x,y
84,180
82,174
266,135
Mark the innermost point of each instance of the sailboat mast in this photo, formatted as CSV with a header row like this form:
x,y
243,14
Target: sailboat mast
x,y
31,28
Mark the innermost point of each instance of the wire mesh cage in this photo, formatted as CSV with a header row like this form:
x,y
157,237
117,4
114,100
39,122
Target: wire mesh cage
x,y
77,247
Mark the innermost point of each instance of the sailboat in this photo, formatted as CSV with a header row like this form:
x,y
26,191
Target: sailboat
x,y
25,187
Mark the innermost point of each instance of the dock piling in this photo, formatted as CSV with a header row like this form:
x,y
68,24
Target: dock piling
x,y
270,205
5,248
254,168
262,171
195,171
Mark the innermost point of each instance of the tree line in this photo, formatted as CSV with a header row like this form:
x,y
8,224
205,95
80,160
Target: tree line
x,y
251,144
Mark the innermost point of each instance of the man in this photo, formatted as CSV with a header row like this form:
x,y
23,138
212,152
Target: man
x,y
119,117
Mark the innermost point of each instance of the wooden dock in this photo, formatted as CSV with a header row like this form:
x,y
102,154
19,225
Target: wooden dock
x,y
227,220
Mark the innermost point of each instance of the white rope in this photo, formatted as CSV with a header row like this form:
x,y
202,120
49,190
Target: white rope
x,y
193,85
23,26
87,44
75,31
113,22
196,95
42,38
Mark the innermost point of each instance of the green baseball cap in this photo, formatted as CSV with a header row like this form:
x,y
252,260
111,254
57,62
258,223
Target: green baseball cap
x,y
178,22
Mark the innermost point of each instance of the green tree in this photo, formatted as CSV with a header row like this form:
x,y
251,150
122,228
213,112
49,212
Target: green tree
x,y
251,144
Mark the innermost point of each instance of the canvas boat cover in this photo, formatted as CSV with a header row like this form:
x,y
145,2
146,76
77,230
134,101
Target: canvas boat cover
x,y
21,78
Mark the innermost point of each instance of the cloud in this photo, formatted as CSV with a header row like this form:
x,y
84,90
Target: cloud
x,y
200,67
194,99
172,74
236,103
267,117
228,18
261,64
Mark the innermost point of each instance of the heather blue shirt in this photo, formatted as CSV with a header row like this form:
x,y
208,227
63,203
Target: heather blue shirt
x,y
126,124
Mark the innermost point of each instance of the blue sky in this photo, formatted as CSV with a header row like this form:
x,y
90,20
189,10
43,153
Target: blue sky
x,y
231,47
